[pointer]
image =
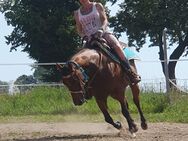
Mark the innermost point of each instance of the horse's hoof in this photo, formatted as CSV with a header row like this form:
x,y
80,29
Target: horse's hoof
x,y
133,135
117,125
144,125
134,129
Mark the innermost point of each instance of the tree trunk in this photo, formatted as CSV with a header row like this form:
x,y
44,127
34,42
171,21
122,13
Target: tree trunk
x,y
176,54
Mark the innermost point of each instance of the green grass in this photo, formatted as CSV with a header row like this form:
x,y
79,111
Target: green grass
x,y
55,104
38,101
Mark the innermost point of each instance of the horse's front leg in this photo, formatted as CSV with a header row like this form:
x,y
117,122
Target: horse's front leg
x,y
103,107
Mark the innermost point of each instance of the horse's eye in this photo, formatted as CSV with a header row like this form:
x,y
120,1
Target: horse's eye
x,y
76,78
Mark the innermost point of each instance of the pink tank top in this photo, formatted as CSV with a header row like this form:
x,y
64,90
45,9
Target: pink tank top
x,y
90,22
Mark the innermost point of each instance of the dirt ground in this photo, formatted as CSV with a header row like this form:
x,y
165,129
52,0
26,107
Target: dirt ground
x,y
90,132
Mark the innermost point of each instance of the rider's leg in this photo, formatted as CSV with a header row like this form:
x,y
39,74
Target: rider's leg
x,y
114,43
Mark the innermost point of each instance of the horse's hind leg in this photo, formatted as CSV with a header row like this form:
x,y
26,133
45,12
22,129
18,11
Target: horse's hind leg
x,y
132,126
135,91
103,107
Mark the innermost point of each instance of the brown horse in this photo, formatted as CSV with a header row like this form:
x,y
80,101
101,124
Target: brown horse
x,y
90,72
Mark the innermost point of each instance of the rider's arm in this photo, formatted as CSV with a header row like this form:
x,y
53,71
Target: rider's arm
x,y
78,24
103,16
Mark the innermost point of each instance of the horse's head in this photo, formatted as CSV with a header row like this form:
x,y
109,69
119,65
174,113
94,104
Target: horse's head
x,y
74,80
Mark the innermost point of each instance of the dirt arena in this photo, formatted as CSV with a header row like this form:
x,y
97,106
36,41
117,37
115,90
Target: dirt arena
x,y
90,132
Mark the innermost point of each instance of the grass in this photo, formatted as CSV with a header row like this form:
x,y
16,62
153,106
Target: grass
x,y
55,104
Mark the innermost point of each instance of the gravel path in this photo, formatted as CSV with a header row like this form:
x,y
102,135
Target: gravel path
x,y
90,132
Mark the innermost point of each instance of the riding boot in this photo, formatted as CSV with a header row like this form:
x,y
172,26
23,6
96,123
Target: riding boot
x,y
133,77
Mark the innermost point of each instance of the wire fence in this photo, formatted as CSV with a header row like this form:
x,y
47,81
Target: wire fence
x,y
146,85
159,85
62,63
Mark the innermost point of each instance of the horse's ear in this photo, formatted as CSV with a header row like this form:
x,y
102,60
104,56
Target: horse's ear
x,y
59,67
70,66
73,65
65,70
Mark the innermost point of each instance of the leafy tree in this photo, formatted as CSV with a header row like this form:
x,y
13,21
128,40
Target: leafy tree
x,y
24,79
44,29
3,83
4,87
142,19
41,74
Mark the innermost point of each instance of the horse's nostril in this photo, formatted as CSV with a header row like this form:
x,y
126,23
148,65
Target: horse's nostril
x,y
83,100
79,102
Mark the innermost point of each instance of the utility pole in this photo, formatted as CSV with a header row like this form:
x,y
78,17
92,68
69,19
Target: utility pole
x,y
166,62
1,1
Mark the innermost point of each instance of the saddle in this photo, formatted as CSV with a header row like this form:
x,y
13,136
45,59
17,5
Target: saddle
x,y
101,44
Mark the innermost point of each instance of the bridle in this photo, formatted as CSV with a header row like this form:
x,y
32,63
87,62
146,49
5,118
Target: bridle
x,y
78,74
84,80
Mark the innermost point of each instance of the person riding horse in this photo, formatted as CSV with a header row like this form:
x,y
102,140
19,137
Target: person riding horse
x,y
91,19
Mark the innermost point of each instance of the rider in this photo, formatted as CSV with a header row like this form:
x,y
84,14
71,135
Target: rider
x,y
90,19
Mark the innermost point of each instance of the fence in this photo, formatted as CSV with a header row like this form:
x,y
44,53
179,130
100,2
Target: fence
x,y
159,85
146,86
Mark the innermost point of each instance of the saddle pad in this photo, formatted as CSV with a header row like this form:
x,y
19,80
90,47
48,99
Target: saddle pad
x,y
130,54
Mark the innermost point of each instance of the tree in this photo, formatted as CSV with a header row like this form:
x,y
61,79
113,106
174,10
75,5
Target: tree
x,y
24,79
3,83
148,18
44,29
4,87
41,74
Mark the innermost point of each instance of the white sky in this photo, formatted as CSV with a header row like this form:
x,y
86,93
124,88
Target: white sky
x,y
147,70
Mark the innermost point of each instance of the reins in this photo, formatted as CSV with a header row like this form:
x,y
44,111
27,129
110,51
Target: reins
x,y
95,74
86,82
81,81
84,79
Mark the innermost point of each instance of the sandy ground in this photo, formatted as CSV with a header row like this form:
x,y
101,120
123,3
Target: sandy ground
x,y
90,132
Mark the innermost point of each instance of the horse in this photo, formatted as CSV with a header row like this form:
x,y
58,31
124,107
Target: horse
x,y
92,73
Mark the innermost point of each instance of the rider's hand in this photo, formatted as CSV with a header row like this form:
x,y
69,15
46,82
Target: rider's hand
x,y
99,33
85,38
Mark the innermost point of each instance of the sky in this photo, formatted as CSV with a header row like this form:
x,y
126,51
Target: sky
x,y
149,67
11,72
